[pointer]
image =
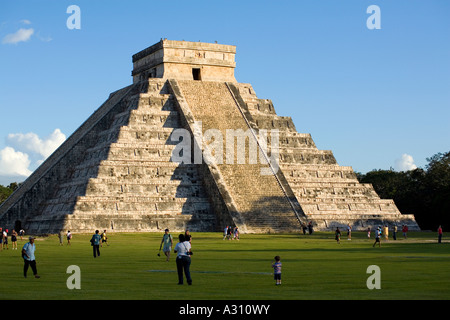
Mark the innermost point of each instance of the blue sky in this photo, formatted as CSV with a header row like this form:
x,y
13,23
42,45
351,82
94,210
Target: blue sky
x,y
373,97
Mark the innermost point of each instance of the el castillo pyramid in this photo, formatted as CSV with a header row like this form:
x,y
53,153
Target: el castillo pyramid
x,y
121,169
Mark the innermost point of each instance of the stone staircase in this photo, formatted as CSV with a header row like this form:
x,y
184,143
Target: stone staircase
x,y
259,200
329,195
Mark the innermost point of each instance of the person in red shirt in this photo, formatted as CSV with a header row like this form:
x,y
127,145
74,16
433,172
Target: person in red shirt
x,y
439,234
405,231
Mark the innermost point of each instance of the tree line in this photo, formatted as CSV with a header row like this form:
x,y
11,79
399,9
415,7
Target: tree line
x,y
425,193
5,192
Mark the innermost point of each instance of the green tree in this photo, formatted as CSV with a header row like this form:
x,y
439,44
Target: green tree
x,y
437,186
423,193
5,192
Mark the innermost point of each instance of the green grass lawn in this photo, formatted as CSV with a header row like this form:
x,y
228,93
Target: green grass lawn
x,y
314,267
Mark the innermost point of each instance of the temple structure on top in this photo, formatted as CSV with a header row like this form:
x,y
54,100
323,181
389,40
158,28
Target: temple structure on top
x,y
121,169
185,60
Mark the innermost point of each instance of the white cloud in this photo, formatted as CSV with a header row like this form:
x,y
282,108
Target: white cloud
x,y
21,35
405,163
25,21
24,153
30,142
14,163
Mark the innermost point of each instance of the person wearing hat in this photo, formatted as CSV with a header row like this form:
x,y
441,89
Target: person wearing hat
x,y
167,242
28,257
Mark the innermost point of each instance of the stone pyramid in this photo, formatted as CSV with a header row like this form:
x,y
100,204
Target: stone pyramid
x,y
121,169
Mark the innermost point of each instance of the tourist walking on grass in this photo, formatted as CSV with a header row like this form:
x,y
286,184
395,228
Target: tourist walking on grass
x,y
304,228
14,239
440,234
61,237
28,257
377,237
405,231
167,242
183,260
69,237
95,241
337,235
229,231
5,238
187,236
310,228
104,238
236,233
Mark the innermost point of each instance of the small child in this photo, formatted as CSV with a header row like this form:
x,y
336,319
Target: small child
x,y
277,270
